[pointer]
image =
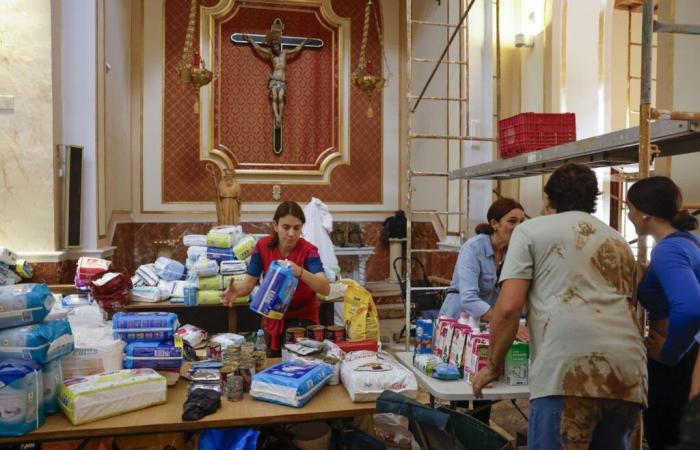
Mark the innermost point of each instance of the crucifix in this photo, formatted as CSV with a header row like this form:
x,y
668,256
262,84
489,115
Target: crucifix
x,y
271,46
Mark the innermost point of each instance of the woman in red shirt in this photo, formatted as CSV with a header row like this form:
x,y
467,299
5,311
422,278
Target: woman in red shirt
x,y
305,262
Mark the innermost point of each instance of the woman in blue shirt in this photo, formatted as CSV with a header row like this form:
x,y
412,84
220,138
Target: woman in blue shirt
x,y
670,291
474,287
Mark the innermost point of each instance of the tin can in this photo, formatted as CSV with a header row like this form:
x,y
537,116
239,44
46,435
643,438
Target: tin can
x,y
190,295
292,335
234,388
214,351
335,333
315,332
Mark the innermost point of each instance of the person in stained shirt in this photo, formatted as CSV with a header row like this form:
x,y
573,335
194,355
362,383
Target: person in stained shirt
x,y
574,275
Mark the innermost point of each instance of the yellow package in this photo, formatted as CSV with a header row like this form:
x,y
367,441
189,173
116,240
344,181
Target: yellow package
x,y
359,313
215,283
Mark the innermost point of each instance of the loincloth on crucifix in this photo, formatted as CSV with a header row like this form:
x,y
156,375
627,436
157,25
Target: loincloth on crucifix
x,y
276,86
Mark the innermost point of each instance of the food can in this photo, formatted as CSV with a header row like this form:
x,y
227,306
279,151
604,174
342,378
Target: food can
x,y
335,333
234,388
315,332
294,334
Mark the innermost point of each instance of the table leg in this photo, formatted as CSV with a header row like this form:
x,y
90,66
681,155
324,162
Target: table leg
x,y
232,319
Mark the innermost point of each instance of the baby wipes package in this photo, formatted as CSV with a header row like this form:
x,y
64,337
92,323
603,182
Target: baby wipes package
x,y
52,377
244,248
367,374
290,383
169,269
21,397
144,326
41,343
154,355
86,399
24,304
275,293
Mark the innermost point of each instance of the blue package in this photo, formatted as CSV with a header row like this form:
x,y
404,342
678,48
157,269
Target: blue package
x,y
41,343
152,355
219,254
24,304
424,336
144,326
446,371
275,294
21,398
169,269
290,383
52,376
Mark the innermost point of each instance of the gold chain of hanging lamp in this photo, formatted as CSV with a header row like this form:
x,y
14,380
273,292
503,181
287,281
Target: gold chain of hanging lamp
x,y
363,77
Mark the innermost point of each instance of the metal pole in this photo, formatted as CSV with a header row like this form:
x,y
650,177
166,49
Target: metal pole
x,y
645,105
409,145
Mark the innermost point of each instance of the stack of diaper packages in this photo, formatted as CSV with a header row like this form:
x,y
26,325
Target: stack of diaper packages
x,y
150,343
164,279
214,260
30,350
12,268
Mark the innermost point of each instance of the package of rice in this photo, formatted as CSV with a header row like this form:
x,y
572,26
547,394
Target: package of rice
x,y
290,383
367,374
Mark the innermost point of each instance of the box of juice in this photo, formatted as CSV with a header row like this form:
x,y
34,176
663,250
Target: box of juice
x,y
460,334
516,366
424,336
443,333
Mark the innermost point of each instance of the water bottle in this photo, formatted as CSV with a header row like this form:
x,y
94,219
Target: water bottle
x,y
260,344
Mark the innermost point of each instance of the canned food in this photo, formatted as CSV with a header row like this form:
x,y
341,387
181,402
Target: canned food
x,y
234,388
293,335
335,333
315,332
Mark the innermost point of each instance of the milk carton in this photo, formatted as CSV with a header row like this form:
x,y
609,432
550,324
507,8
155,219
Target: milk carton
x,y
443,336
517,364
460,334
477,355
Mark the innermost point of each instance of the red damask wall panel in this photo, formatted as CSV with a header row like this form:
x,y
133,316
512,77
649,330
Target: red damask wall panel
x,y
185,179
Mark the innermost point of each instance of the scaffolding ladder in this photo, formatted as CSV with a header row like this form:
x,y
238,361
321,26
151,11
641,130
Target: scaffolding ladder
x,y
454,30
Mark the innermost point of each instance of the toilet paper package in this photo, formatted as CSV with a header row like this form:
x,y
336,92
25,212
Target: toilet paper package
x,y
144,326
24,304
21,397
86,399
169,269
290,383
52,378
41,343
154,355
275,293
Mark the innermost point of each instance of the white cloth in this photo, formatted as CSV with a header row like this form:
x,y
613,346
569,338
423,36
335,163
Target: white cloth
x,y
319,223
584,340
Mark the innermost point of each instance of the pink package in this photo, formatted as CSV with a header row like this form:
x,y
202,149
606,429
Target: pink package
x,y
477,355
443,334
460,335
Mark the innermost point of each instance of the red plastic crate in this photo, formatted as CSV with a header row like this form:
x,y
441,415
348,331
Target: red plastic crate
x,y
528,132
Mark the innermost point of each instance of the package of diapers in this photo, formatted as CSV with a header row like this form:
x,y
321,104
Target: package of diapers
x,y
220,254
21,398
9,278
52,376
7,256
147,294
154,355
192,240
223,240
205,267
24,304
86,399
147,273
275,293
244,248
215,283
144,326
169,269
234,267
290,383
209,297
41,343
367,374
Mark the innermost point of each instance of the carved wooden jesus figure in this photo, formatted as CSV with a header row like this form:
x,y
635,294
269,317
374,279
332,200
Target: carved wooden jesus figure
x,y
276,81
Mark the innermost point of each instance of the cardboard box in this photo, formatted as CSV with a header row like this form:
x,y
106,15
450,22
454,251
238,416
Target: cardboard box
x,y
517,364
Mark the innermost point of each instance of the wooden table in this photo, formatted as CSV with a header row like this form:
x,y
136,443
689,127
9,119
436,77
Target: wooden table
x,y
331,402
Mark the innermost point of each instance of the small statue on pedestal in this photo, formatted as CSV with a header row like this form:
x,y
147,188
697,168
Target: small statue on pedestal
x,y
355,236
338,235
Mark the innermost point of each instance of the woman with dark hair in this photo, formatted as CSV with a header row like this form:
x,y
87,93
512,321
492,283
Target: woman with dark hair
x,y
670,291
286,243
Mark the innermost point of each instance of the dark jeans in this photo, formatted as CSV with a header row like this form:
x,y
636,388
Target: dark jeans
x,y
669,387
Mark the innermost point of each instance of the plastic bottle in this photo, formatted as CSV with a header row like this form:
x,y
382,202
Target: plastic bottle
x,y
260,344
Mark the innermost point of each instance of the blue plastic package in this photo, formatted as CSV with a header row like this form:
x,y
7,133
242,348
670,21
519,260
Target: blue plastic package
x,y
219,254
41,343
242,438
21,397
169,269
144,326
446,371
275,294
24,304
153,355
52,376
290,383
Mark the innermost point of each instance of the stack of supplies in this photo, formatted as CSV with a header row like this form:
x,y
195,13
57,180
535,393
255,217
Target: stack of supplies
x,y
89,269
12,268
290,383
111,289
95,397
366,374
309,351
21,397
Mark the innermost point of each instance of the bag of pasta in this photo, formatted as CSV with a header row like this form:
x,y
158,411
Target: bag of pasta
x,y
359,313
